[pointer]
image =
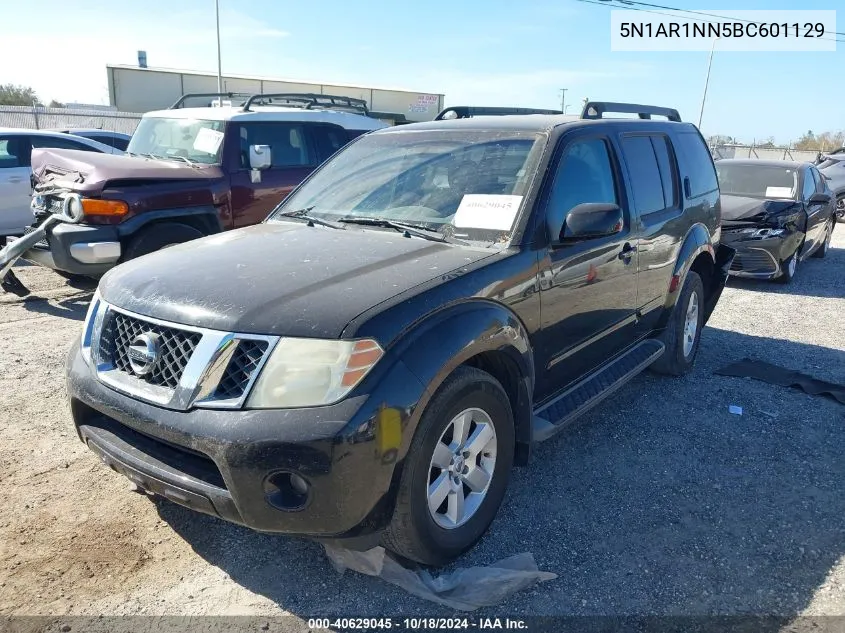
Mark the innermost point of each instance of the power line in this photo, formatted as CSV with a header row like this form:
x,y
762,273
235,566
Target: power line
x,y
604,3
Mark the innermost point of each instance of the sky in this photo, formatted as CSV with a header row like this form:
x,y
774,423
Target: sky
x,y
475,52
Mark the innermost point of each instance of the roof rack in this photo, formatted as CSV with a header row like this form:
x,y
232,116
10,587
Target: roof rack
x,y
309,101
196,95
467,112
595,110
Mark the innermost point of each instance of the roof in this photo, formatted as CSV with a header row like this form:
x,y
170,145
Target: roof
x,y
91,130
347,120
791,164
539,123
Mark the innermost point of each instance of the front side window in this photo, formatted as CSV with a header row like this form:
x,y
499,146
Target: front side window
x,y
757,181
584,174
191,140
288,146
466,183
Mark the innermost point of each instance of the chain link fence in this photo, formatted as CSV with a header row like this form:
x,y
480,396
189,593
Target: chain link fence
x,y
43,118
764,152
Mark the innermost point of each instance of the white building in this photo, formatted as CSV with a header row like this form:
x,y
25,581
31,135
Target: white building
x,y
135,89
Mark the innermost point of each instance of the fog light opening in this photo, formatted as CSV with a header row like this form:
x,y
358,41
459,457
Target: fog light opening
x,y
286,491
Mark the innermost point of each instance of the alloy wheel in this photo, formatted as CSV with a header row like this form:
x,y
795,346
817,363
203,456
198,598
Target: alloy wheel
x,y
461,468
690,324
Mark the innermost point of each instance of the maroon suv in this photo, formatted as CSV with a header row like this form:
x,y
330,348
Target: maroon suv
x,y
188,172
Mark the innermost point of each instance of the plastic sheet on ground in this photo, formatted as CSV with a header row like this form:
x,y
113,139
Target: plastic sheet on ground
x,y
465,589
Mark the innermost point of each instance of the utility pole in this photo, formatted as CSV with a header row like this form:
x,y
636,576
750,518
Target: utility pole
x,y
563,99
219,66
706,83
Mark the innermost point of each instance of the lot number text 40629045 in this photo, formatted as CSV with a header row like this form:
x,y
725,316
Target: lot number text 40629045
x,y
414,624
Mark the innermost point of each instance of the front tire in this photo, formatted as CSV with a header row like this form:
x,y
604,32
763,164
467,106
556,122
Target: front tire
x,y
456,471
821,251
840,208
789,268
158,236
683,332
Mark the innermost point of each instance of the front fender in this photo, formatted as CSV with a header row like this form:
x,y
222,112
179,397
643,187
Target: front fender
x,y
696,241
205,218
443,341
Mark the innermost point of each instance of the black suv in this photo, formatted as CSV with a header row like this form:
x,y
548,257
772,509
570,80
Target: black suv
x,y
370,362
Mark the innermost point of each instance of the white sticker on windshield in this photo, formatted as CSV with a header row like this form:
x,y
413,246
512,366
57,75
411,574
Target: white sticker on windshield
x,y
778,192
486,211
208,140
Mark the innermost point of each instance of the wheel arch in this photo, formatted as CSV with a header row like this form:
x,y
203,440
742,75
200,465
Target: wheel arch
x,y
481,334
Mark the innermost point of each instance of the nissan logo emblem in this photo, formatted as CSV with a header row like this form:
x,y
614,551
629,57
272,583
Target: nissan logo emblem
x,y
143,353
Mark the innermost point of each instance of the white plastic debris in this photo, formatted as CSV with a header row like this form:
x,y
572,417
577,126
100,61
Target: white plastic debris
x,y
735,409
465,589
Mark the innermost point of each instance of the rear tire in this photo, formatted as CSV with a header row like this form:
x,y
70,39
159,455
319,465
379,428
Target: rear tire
x,y
157,236
840,208
683,332
427,534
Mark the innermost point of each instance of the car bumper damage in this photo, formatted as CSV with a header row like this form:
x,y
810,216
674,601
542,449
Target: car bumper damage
x,y
761,250
321,472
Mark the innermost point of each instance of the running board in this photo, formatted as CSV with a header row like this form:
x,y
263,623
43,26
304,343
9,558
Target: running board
x,y
586,394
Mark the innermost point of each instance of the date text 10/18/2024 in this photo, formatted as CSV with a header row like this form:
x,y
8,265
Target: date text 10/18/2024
x,y
411,624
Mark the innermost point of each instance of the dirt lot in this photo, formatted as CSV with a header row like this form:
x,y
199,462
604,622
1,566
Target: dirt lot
x,y
659,502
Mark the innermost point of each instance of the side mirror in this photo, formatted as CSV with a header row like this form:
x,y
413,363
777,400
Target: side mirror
x,y
260,156
820,198
592,219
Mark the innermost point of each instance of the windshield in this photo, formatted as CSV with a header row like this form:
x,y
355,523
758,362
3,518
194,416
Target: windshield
x,y
192,139
757,181
468,184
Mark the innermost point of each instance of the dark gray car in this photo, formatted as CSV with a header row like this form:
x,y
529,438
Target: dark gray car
x,y
775,214
833,168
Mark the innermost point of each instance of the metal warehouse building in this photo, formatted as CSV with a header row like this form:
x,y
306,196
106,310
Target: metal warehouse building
x,y
135,89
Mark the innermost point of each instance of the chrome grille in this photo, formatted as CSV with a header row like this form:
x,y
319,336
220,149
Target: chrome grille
x,y
755,261
176,348
240,369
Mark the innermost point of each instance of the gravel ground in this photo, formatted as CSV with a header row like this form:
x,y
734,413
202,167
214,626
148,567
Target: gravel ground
x,y
657,502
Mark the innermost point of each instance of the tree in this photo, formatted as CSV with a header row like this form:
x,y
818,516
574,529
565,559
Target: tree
x,y
11,94
56,104
824,141
719,139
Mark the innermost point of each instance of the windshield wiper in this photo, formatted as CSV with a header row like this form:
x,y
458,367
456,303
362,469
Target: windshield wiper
x,y
302,214
409,229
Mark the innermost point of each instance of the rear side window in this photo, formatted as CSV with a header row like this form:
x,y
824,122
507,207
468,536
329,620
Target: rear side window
x,y
10,150
328,140
112,141
697,163
641,161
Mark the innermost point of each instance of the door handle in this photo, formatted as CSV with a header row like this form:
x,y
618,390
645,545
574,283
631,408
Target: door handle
x,y
627,252
14,179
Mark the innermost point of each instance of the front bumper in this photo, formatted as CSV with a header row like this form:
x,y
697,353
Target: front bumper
x,y
222,462
77,249
761,258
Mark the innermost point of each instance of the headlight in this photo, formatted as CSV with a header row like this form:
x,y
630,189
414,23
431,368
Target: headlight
x,y
311,372
93,320
72,207
763,233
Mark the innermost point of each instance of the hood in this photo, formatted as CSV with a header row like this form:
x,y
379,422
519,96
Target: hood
x,y
741,208
88,172
280,278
